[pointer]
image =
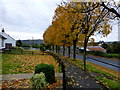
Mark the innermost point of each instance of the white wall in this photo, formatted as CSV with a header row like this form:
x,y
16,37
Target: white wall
x,y
0,42
9,39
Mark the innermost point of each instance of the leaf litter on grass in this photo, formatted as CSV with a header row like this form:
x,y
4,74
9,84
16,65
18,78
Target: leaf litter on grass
x,y
25,63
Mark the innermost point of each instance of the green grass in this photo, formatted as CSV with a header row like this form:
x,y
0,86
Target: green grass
x,y
0,63
7,66
109,83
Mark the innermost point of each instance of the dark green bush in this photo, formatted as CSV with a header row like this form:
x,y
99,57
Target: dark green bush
x,y
25,45
48,69
113,56
97,53
102,54
36,46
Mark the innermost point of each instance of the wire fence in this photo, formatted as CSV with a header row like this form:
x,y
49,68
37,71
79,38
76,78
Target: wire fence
x,y
21,52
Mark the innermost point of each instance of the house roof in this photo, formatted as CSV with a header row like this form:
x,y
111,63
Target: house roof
x,y
3,36
99,48
6,35
95,48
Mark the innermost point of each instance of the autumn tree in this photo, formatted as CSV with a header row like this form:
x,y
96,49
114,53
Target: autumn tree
x,y
112,6
79,21
95,22
86,19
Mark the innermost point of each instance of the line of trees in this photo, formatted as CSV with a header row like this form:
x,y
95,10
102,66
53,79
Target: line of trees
x,y
75,22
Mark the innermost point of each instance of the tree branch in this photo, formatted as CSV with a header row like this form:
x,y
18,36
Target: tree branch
x,y
111,10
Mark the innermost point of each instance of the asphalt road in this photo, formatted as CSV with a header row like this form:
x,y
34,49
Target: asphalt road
x,y
115,65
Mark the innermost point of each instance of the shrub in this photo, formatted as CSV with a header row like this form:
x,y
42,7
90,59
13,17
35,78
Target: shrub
x,y
17,48
98,53
38,81
48,69
25,45
36,46
113,55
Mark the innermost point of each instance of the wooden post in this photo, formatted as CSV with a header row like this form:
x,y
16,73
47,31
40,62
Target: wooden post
x,y
21,51
32,52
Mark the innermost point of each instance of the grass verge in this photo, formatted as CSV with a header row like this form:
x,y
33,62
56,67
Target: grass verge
x,y
108,77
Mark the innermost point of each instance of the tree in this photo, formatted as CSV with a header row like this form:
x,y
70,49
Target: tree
x,y
114,48
104,45
18,43
78,22
42,47
91,22
112,7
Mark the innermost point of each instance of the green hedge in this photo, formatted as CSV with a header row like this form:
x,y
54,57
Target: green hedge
x,y
48,69
36,46
102,54
97,53
25,45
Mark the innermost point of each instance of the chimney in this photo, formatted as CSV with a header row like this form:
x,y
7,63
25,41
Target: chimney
x,y
3,30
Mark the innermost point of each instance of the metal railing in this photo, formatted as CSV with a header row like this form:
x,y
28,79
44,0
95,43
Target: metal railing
x,y
63,68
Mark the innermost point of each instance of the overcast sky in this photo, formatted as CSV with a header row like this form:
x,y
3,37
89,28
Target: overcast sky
x,y
24,19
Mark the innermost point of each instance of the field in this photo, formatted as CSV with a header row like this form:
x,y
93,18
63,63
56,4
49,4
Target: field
x,y
24,63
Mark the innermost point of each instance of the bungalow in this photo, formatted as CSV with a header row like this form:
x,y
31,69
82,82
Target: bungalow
x,y
6,41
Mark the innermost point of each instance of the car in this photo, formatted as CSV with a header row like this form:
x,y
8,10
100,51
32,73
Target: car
x,y
47,50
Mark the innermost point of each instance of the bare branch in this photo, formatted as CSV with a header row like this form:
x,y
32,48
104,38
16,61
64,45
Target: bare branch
x,y
111,10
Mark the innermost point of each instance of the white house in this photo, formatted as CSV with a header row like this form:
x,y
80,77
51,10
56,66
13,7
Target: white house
x,y
6,41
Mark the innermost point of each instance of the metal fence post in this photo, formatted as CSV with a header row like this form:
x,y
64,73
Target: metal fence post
x,y
64,79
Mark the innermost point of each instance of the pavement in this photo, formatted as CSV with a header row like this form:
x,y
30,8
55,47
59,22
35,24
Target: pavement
x,y
10,77
77,78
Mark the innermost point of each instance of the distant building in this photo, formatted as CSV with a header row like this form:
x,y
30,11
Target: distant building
x,y
33,42
6,41
106,42
94,48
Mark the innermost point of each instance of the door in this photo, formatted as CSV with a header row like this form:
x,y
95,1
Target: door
x,y
8,45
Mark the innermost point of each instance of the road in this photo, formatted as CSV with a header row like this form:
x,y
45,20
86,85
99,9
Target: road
x,y
115,65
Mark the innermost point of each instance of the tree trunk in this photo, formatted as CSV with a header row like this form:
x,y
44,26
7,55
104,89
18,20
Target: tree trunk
x,y
84,54
50,47
53,48
63,50
68,51
74,49
56,48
